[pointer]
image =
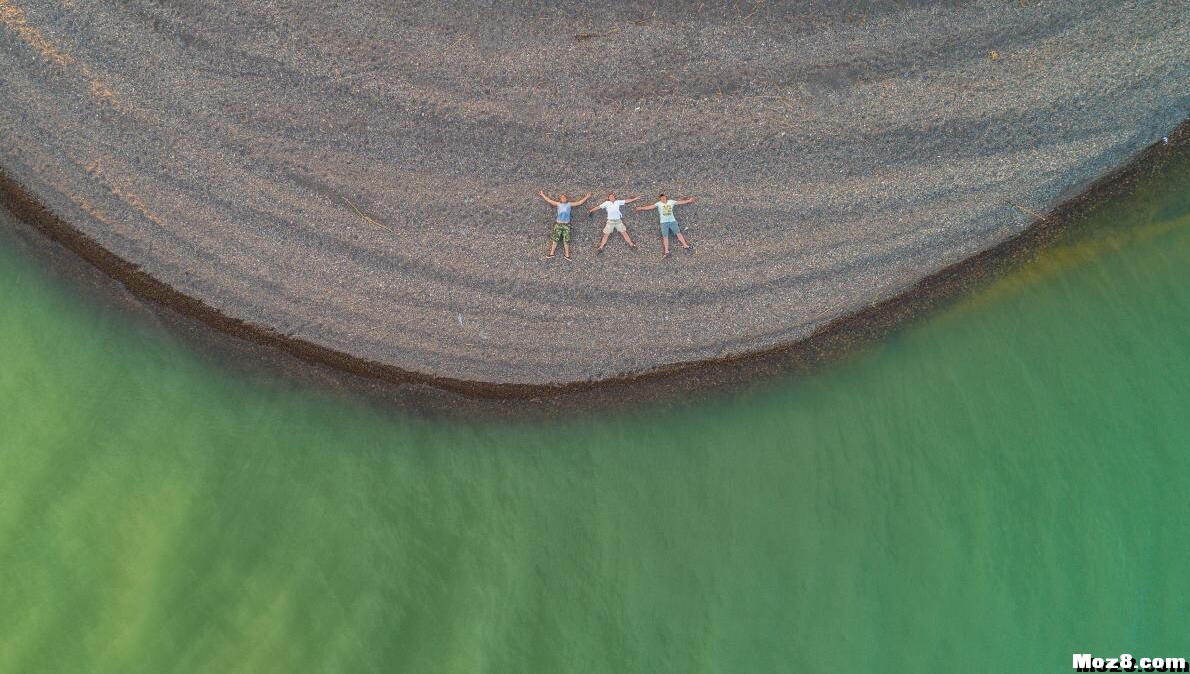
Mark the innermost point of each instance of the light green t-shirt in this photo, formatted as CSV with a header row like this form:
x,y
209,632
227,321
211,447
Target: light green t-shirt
x,y
666,209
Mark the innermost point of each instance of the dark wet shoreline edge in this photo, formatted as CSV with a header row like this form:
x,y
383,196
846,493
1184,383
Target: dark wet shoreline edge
x,y
434,396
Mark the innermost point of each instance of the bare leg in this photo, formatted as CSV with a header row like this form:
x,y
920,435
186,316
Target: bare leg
x,y
603,242
683,240
566,250
627,238
553,247
665,246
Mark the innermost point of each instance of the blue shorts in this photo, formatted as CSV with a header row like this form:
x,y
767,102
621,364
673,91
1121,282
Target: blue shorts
x,y
670,228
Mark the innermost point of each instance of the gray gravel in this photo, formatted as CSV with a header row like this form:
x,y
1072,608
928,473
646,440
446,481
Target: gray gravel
x,y
841,151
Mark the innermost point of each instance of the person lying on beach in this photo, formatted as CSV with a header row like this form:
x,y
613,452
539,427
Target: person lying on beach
x,y
669,224
561,230
615,221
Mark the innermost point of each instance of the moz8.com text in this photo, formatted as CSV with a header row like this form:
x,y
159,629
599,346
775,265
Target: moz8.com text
x,y
1126,662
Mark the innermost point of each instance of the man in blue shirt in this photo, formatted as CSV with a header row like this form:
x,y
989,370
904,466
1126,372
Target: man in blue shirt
x,y
561,230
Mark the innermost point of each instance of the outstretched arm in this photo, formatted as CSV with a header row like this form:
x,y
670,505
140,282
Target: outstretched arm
x,y
548,200
687,200
594,208
636,198
645,208
580,202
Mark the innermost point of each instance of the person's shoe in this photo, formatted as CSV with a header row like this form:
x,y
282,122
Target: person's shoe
x,y
547,257
599,250
633,246
690,249
568,258
665,255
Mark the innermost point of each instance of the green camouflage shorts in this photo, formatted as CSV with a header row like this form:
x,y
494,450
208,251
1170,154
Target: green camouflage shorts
x,y
561,232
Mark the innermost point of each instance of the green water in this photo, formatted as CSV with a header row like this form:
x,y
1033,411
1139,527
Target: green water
x,y
991,489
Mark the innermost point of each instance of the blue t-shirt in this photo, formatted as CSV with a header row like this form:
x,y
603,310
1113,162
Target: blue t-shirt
x,y
564,212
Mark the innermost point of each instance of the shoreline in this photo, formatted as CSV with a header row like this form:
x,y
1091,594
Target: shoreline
x,y
840,155
428,394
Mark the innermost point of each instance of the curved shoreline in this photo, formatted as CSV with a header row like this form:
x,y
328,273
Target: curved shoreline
x,y
659,384
362,180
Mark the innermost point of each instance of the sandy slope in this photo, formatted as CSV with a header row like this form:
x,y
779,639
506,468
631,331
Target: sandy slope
x,y
841,151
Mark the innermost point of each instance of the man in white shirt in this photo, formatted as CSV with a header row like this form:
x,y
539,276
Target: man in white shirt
x,y
669,224
614,219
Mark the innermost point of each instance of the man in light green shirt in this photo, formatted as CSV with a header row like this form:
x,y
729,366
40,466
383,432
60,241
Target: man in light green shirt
x,y
669,224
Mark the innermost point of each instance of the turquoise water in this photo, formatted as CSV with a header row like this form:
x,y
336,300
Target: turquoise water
x,y
992,488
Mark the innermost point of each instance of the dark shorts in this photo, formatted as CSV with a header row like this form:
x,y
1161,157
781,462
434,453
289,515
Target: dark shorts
x,y
561,232
670,229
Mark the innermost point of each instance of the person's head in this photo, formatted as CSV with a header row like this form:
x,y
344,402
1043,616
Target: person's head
x,y
611,196
562,198
661,197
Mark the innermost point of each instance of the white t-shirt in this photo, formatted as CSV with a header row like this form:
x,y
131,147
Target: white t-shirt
x,y
613,208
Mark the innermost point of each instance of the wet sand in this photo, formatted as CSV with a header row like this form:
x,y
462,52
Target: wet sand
x,y
356,183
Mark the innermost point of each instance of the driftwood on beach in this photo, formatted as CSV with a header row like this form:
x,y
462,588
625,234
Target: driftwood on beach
x,y
362,177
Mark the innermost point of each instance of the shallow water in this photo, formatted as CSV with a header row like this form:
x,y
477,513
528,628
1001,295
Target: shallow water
x,y
990,489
